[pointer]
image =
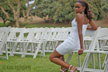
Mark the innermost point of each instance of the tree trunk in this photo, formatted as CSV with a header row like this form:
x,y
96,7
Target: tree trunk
x,y
23,12
3,10
16,13
29,8
17,23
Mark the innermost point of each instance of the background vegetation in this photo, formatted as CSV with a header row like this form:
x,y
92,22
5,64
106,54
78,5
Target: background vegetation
x,y
57,11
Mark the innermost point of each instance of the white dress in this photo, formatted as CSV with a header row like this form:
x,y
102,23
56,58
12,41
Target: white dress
x,y
72,43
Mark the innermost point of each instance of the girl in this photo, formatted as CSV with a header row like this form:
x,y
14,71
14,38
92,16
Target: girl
x,y
75,39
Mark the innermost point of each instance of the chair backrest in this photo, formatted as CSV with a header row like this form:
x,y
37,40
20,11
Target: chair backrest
x,y
89,34
62,33
89,38
38,34
4,31
15,34
28,35
103,34
47,34
103,39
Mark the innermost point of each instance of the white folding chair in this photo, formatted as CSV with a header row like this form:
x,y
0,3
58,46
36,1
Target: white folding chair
x,y
93,48
38,41
12,42
49,39
4,31
97,50
32,41
106,66
103,37
103,42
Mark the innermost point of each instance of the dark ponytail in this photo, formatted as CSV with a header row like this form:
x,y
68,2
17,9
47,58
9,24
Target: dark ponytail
x,y
87,11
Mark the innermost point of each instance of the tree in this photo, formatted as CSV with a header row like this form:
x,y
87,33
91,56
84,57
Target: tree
x,y
98,7
53,10
44,8
63,10
58,10
16,11
27,9
3,14
105,6
12,10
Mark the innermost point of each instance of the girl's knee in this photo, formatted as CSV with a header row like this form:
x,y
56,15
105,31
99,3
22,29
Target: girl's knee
x,y
55,54
51,58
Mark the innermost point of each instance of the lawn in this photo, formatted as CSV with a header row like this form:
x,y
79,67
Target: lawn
x,y
40,64
1,24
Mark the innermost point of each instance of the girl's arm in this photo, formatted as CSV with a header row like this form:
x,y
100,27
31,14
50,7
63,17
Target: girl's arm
x,y
92,25
79,19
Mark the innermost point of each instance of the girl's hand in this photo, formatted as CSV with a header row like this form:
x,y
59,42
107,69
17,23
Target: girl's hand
x,y
80,51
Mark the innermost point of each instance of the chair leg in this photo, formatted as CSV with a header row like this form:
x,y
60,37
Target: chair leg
x,y
69,58
37,50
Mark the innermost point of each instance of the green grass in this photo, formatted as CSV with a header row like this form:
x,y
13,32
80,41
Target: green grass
x,y
45,25
1,24
40,64
40,25
28,64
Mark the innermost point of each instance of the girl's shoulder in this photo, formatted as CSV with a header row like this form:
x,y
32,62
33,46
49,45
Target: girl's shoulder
x,y
79,15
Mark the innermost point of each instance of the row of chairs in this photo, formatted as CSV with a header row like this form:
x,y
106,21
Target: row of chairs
x,y
30,41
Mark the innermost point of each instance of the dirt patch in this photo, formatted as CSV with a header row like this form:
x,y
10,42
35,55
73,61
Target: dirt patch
x,y
32,20
102,23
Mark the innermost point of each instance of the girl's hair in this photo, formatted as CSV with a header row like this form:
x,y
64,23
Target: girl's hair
x,y
87,10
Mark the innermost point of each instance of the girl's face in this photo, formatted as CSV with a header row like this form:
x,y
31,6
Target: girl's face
x,y
79,8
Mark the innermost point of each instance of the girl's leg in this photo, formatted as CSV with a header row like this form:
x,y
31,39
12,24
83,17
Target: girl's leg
x,y
63,69
55,57
62,58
